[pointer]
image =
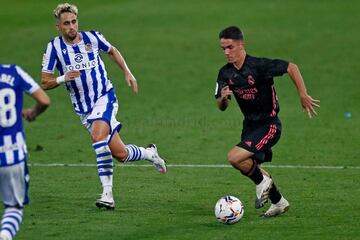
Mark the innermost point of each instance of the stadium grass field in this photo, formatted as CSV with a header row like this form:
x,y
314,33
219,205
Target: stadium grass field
x,y
172,49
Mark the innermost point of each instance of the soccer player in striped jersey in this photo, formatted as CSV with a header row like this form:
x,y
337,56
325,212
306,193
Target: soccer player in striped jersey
x,y
76,56
14,176
250,80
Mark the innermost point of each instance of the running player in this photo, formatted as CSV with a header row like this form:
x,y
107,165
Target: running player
x,y
250,80
76,56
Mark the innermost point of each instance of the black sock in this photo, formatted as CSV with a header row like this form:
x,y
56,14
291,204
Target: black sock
x,y
255,174
274,194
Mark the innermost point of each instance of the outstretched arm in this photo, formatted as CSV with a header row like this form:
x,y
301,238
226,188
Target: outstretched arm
x,y
307,102
49,81
42,102
119,60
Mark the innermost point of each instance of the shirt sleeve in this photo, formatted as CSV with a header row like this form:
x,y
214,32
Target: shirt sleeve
x,y
49,60
220,83
104,45
27,83
274,67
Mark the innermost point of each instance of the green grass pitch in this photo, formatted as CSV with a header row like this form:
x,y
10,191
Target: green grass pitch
x,y
172,49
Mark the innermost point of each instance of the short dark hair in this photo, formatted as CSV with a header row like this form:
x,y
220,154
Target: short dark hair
x,y
231,32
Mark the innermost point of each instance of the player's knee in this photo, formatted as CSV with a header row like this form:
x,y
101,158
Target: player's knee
x,y
233,160
97,137
243,165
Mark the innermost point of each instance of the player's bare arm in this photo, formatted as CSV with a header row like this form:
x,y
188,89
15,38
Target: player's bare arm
x,y
223,100
116,56
42,102
307,102
50,81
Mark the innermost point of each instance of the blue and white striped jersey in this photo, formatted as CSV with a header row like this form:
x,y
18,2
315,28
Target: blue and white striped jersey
x,y
85,57
13,81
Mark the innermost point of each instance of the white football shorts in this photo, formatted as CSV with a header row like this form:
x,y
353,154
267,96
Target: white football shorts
x,y
14,185
105,108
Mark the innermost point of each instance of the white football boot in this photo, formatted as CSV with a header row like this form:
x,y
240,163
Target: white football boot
x,y
158,162
277,208
106,201
262,191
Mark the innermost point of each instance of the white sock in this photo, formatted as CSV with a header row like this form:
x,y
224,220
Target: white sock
x,y
10,222
107,189
136,153
104,164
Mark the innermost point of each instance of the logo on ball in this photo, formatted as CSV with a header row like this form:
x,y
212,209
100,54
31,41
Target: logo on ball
x,y
229,210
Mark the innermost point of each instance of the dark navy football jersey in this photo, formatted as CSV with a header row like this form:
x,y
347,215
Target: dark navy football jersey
x,y
253,86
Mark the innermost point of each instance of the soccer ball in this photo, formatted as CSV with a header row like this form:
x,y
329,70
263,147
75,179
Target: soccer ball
x,y
229,210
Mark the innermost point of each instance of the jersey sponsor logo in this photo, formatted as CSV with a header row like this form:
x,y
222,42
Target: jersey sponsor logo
x,y
246,94
14,151
78,57
11,147
81,66
251,80
64,51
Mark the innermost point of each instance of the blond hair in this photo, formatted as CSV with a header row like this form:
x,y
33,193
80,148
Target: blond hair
x,y
65,7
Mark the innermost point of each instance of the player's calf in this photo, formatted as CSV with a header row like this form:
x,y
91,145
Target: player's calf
x,y
120,155
263,182
105,167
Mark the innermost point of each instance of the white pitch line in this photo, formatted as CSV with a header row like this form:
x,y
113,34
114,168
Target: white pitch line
x,y
190,166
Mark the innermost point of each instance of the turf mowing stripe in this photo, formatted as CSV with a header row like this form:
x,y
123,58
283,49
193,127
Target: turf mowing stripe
x,y
190,166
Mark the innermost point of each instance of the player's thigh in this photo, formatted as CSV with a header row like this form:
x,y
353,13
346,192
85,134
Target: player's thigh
x,y
238,154
117,147
100,130
103,112
14,182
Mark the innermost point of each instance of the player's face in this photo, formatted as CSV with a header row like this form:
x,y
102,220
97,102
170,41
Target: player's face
x,y
232,49
67,25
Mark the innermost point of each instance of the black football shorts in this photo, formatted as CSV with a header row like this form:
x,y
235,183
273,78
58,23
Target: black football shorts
x,y
259,136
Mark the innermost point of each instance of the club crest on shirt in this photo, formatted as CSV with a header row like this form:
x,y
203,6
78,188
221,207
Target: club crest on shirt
x,y
251,80
231,82
88,47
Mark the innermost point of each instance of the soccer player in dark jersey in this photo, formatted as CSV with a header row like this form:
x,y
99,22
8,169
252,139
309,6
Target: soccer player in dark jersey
x,y
250,80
